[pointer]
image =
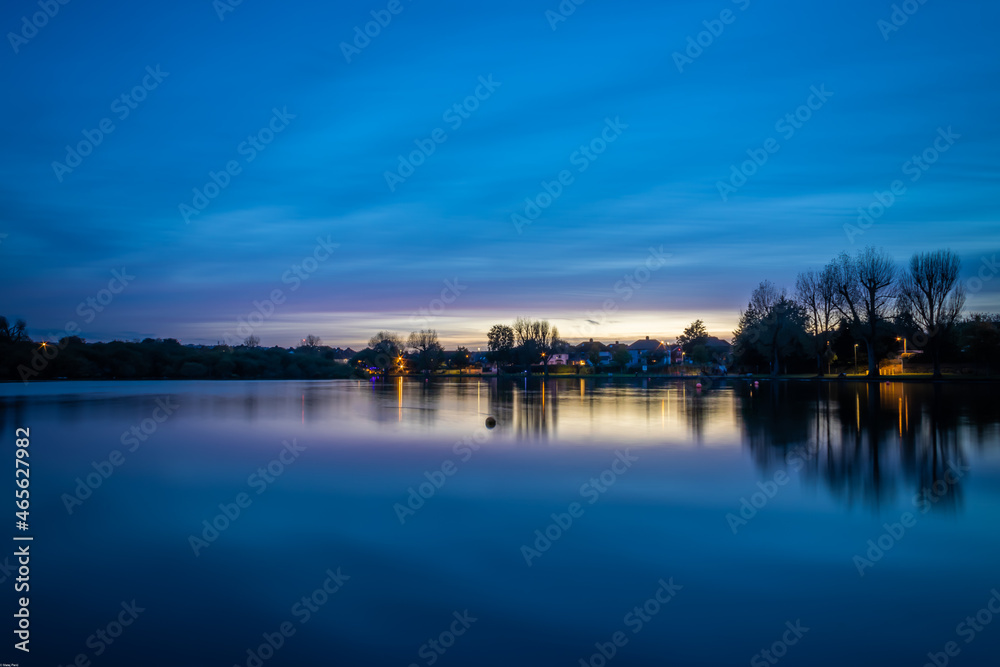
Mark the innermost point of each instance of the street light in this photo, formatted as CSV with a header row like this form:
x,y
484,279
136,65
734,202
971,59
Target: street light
x,y
855,358
901,359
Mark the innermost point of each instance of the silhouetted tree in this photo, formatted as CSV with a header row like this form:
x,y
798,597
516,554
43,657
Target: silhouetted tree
x,y
815,293
694,335
13,334
931,291
428,354
772,326
387,350
500,341
461,359
865,287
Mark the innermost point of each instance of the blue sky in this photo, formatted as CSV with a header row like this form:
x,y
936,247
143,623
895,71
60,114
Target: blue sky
x,y
888,95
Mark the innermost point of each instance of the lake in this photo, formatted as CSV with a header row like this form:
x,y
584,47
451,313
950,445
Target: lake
x,y
618,522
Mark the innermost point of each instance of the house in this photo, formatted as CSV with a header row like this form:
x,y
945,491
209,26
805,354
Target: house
x,y
646,351
558,359
593,351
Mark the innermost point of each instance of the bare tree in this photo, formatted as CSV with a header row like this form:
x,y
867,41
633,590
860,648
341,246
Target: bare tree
x,y
429,354
816,293
15,334
312,341
522,330
251,341
538,332
934,295
865,287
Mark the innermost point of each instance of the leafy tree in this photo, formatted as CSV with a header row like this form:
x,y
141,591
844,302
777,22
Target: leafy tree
x,y
980,338
387,349
621,358
500,342
461,358
696,334
772,326
932,293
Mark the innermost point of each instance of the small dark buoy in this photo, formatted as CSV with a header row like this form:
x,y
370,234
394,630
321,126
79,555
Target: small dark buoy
x,y
490,422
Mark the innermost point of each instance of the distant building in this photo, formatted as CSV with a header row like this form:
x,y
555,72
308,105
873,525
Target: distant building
x,y
647,352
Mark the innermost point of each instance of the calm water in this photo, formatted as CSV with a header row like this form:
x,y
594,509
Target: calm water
x,y
746,511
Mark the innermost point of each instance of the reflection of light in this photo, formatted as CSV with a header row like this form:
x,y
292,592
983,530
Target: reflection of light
x,y
857,408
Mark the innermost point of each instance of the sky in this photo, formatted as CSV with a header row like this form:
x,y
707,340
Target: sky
x,y
204,170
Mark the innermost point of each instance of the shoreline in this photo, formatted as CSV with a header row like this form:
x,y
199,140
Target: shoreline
x,y
888,379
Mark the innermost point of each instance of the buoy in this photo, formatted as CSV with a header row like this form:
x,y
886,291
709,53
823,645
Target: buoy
x,y
490,422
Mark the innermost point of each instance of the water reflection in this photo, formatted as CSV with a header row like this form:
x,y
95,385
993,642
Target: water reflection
x,y
872,443
868,444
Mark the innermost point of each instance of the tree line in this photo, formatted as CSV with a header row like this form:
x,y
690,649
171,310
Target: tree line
x,y
856,301
863,299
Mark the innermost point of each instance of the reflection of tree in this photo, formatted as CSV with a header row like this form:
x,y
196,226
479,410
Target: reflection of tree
x,y
775,419
870,442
